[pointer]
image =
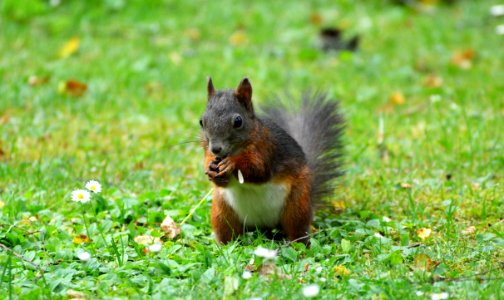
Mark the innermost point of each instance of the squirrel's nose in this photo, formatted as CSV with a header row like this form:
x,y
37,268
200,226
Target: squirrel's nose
x,y
216,149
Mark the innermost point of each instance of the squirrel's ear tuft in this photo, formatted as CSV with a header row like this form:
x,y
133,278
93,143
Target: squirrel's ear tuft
x,y
210,88
244,93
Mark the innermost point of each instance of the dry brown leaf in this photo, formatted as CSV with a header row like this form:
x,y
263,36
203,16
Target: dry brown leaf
x,y
2,152
397,98
423,262
37,80
238,38
463,59
433,81
70,47
72,88
424,233
469,230
144,239
341,270
406,186
81,238
268,269
73,294
251,268
171,228
315,19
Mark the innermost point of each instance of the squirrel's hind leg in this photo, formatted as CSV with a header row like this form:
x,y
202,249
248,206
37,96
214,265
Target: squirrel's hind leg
x,y
225,222
297,214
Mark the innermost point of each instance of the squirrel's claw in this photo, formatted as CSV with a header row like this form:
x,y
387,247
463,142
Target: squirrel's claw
x,y
217,172
226,166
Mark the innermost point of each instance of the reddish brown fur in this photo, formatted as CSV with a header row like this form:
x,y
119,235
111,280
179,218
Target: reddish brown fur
x,y
297,214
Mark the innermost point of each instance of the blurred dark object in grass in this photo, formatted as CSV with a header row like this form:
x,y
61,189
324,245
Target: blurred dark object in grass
x,y
332,40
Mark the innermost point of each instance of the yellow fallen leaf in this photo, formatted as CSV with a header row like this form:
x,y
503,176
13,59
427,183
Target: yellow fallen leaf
x,y
339,205
397,98
70,47
341,270
469,230
424,233
81,238
423,262
2,204
169,226
238,38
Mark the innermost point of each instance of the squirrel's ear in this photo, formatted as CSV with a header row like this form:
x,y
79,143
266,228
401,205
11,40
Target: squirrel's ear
x,y
244,93
210,88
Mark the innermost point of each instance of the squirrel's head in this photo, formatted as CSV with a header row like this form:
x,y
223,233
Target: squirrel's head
x,y
228,119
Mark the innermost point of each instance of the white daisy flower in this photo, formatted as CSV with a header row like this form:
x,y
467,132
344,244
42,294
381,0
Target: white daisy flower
x,y
265,253
84,256
440,296
81,196
246,275
94,186
155,247
311,290
497,10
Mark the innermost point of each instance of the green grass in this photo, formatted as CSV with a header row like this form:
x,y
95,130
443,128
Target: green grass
x,y
146,68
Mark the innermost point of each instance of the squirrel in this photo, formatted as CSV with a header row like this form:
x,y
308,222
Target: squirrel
x,y
269,171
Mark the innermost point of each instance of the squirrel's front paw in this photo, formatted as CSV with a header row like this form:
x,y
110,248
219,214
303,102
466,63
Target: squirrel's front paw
x,y
226,167
217,174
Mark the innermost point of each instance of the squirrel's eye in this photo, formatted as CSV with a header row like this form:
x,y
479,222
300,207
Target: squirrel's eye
x,y
237,122
201,123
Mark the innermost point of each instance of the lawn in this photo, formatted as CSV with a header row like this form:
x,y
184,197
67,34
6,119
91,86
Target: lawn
x,y
113,90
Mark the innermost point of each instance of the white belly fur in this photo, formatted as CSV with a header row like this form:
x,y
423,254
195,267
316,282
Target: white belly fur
x,y
256,204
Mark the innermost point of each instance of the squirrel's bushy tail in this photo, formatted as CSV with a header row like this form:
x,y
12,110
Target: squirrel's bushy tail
x,y
318,128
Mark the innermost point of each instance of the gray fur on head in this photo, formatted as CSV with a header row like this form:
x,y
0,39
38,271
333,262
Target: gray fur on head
x,y
221,114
